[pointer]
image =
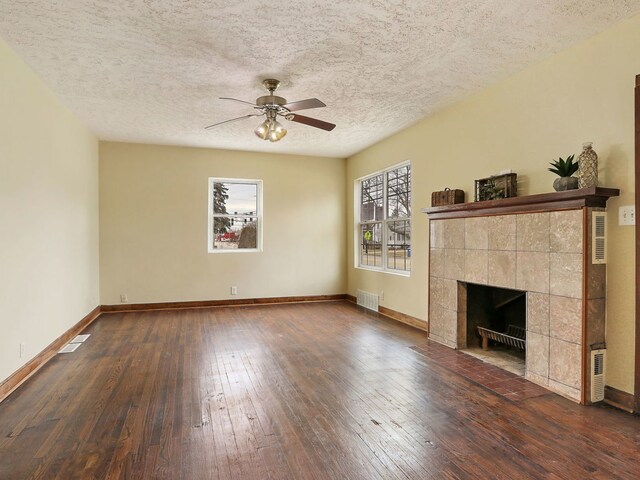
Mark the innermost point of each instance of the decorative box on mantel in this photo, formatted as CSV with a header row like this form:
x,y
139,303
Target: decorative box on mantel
x,y
538,244
447,197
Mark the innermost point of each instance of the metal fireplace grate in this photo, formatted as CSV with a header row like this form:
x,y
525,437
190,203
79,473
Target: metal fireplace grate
x,y
515,336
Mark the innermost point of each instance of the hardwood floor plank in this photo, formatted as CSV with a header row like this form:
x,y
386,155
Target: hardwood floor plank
x,y
296,391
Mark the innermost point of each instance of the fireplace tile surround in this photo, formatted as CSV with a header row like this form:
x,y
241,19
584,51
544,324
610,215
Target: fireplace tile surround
x,y
544,253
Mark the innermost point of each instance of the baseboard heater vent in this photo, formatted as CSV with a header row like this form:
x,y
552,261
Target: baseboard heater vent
x,y
599,238
368,300
597,375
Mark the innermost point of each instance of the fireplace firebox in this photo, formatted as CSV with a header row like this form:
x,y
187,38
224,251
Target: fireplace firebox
x,y
496,316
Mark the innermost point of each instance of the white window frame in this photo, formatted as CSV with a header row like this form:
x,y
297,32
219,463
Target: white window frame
x,y
210,215
357,212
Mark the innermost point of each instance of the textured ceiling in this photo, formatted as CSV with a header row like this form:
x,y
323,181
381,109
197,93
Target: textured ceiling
x,y
152,71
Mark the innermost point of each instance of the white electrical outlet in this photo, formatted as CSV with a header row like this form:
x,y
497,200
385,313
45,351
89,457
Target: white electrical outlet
x,y
123,298
627,215
234,290
23,349
381,294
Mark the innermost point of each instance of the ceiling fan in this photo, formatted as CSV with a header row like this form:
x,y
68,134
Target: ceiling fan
x,y
273,106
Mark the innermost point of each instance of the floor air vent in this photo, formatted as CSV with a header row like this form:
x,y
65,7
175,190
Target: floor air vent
x,y
368,300
73,345
597,375
69,348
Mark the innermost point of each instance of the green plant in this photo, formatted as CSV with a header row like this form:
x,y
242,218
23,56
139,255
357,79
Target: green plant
x,y
490,191
564,168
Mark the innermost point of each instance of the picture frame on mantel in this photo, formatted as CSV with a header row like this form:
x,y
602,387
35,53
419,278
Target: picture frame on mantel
x,y
496,187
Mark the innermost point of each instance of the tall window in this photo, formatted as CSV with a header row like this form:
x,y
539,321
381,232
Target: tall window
x,y
384,227
235,215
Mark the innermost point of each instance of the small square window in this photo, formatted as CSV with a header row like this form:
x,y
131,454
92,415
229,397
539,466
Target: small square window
x,y
235,215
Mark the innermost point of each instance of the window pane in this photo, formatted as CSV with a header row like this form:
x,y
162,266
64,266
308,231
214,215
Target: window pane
x,y
399,192
372,198
371,245
399,245
235,198
235,233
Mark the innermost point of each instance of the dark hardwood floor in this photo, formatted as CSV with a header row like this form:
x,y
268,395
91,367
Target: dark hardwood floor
x,y
303,391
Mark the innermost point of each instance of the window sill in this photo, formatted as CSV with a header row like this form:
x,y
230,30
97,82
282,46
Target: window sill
x,y
235,250
398,273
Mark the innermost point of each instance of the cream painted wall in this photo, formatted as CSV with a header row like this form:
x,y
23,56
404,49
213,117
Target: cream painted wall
x,y
153,225
48,214
582,94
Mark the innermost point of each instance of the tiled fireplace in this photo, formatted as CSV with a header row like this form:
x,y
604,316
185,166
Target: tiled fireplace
x,y
541,245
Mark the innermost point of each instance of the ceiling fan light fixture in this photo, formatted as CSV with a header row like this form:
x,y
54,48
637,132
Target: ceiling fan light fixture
x,y
276,131
263,129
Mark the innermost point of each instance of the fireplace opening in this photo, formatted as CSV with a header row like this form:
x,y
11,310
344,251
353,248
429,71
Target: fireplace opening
x,y
497,325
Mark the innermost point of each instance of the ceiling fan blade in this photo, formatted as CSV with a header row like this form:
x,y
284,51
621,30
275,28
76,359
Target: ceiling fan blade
x,y
236,100
312,122
304,104
233,120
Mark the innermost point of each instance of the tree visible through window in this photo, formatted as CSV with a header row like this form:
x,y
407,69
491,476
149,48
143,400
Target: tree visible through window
x,y
385,220
234,214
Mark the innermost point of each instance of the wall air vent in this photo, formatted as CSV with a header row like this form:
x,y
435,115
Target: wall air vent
x,y
597,375
368,300
599,237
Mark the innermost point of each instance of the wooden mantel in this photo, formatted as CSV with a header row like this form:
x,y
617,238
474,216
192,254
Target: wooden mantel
x,y
570,199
